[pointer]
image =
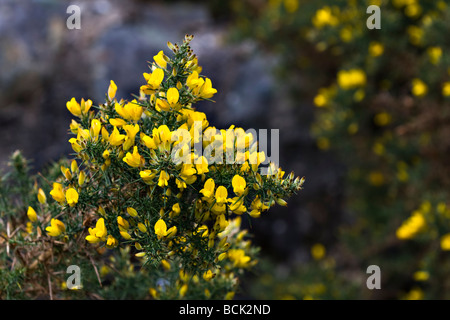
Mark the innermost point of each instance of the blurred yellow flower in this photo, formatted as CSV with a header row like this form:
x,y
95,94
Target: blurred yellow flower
x,y
318,251
350,79
411,226
419,88
31,213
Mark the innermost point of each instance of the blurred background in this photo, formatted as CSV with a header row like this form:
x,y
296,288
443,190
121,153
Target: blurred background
x,y
363,115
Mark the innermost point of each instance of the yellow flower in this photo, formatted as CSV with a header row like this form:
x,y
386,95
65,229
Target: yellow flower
x,y
31,213
112,90
153,81
421,276
160,228
57,192
435,54
172,97
318,251
132,212
96,126
160,60
175,210
123,224
56,228
183,290
41,196
221,195
72,197
350,79
147,176
445,242
98,233
111,242
206,90
239,185
446,89
238,257
131,131
419,88
116,138
192,80
376,49
324,17
134,159
201,164
163,179
413,225
131,111
208,275
382,119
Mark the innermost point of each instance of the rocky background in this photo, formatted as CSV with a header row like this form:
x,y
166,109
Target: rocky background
x,y
43,64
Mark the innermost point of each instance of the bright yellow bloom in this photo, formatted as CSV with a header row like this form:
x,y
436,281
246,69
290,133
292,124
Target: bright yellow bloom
x,y
76,109
206,90
160,228
324,17
112,90
116,138
237,205
159,59
131,111
351,79
134,159
41,196
208,189
413,225
239,185
147,176
131,131
31,213
56,228
419,88
57,192
172,97
96,126
72,197
98,233
238,257
201,165
111,242
163,179
221,195
153,81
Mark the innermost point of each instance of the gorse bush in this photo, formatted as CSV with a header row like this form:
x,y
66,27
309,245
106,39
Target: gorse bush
x,y
381,100
153,199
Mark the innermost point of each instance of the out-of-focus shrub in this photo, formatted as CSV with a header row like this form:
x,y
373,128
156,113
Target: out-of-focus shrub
x,y
382,107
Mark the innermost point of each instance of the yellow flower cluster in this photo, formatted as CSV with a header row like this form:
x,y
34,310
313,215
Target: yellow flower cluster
x,y
160,177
